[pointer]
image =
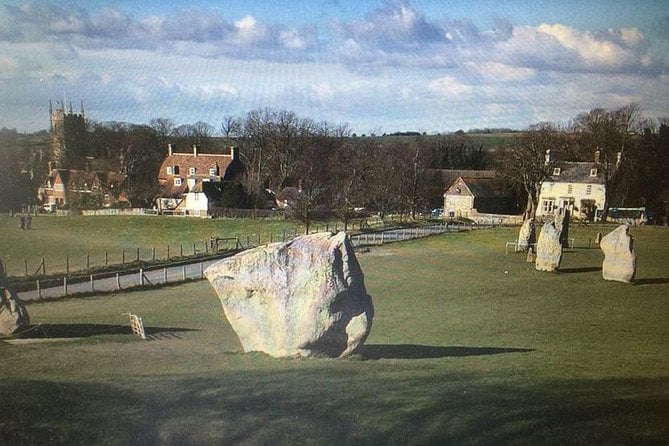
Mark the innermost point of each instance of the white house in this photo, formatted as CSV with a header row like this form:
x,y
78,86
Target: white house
x,y
577,186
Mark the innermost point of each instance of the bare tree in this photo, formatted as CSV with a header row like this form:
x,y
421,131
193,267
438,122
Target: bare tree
x,y
611,133
530,160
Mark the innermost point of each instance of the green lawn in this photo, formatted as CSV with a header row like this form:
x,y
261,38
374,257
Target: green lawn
x,y
56,238
468,346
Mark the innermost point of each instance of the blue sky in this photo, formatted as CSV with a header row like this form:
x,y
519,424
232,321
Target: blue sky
x,y
380,66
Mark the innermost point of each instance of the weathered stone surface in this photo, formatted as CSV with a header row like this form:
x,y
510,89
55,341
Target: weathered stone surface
x,y
619,256
305,297
13,313
526,235
562,225
549,245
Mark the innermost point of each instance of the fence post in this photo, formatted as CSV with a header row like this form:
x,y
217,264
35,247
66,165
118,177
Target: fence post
x,y
258,240
118,282
25,265
202,270
141,277
137,256
65,285
67,264
382,237
39,289
88,261
206,247
165,275
92,284
194,249
168,252
123,257
248,241
106,258
153,253
183,273
181,250
43,264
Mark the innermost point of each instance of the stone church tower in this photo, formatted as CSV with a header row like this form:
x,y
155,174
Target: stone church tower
x,y
68,135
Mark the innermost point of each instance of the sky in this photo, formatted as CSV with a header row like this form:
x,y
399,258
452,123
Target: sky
x,y
379,66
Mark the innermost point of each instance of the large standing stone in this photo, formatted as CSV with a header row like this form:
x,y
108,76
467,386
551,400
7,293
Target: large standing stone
x,y
619,256
549,245
526,235
13,313
305,297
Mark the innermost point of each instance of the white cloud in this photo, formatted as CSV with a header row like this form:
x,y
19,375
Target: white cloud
x,y
449,87
501,72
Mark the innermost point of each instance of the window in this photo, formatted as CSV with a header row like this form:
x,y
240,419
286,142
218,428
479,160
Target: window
x,y
547,206
191,171
593,172
213,171
556,172
170,170
570,189
177,181
588,189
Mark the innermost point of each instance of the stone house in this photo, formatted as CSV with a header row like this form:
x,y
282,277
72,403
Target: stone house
x,y
577,186
192,183
472,197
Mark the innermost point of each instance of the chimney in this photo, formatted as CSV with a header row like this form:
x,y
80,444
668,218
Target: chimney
x,y
597,153
50,164
169,149
194,149
233,152
547,158
619,157
87,166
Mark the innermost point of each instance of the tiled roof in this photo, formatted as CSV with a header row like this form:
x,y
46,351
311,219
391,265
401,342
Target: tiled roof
x,y
478,187
578,172
202,163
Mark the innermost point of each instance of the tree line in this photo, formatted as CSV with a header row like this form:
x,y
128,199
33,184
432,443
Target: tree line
x,y
339,172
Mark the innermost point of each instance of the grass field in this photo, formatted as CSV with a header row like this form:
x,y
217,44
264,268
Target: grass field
x,y
468,346
56,238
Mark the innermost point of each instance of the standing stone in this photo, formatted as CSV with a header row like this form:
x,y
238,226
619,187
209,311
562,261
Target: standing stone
x,y
562,225
549,245
305,297
13,313
619,256
526,235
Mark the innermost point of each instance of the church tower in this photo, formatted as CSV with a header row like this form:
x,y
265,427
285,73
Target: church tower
x,y
68,135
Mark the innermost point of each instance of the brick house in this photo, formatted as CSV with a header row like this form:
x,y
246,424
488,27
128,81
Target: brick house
x,y
87,188
191,183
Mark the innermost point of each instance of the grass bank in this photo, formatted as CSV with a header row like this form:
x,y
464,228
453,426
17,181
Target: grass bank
x,y
59,239
469,346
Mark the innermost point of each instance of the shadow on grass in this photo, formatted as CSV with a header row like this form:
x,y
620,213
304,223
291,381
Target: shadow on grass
x,y
652,281
336,405
587,269
411,351
49,331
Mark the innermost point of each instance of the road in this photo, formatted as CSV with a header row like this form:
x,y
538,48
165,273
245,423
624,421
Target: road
x,y
56,288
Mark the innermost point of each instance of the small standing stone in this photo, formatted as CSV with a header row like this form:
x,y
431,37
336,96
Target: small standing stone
x,y
619,256
549,246
13,313
526,235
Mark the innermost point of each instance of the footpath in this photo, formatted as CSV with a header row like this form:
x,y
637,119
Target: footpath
x,y
194,269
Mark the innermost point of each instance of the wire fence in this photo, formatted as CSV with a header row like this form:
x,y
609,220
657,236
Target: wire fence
x,y
193,269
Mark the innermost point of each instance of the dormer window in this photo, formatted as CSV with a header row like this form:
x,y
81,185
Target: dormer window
x,y
213,171
556,172
191,171
593,172
170,170
177,181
